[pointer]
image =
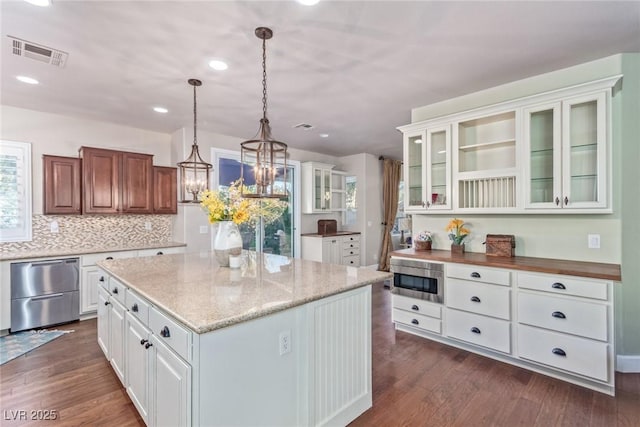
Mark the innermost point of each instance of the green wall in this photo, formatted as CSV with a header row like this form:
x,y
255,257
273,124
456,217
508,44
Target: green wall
x,y
565,236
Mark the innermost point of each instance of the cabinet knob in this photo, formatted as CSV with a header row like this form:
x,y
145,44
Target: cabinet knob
x,y
423,205
109,257
160,253
475,275
415,322
147,345
475,330
557,201
134,308
558,315
559,352
143,341
115,290
475,299
415,308
101,279
566,200
165,332
558,285
107,303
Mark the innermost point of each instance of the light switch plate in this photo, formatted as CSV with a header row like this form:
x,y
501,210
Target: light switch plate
x,y
593,241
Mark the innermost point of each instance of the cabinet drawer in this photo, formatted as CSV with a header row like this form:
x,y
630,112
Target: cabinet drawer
x,y
352,260
350,251
103,280
137,306
91,259
480,330
582,318
351,238
170,332
479,274
417,321
117,290
580,355
349,245
161,251
417,306
478,298
564,285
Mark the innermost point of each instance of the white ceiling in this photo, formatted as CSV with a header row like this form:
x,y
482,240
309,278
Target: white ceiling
x,y
352,69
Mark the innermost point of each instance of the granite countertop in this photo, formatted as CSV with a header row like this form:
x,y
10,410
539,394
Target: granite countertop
x,y
595,270
337,233
57,252
195,290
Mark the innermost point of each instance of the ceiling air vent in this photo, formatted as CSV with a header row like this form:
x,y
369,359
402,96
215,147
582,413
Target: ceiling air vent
x,y
303,126
38,52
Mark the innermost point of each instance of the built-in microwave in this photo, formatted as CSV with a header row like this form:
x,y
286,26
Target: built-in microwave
x,y
418,279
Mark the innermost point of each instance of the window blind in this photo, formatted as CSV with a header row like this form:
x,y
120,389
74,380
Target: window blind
x,y
15,191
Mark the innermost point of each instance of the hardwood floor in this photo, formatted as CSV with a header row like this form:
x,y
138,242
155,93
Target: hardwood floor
x,y
416,382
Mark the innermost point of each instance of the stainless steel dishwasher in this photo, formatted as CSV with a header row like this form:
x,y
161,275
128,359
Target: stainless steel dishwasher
x,y
44,293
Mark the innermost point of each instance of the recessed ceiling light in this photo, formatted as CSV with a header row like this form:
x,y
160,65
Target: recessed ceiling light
x,y
29,80
218,65
324,135
418,141
160,110
41,3
308,2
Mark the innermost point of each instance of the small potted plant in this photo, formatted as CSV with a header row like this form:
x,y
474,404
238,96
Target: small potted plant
x,y
457,233
422,242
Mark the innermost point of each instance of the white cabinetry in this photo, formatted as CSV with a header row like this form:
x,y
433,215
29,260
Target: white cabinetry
x,y
170,388
558,325
323,189
536,154
566,145
111,328
343,249
137,360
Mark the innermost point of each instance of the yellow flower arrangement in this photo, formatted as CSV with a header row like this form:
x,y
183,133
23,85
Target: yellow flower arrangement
x,y
231,206
457,231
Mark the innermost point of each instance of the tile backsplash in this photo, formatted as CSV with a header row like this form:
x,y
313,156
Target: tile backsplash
x,y
90,231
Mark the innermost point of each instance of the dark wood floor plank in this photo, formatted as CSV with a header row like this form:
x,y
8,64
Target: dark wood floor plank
x,y
416,382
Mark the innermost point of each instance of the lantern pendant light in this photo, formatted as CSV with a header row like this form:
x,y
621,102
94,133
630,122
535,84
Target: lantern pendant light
x,y
194,172
264,156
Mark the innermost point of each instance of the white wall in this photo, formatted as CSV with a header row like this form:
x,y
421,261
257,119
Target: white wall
x,y
63,135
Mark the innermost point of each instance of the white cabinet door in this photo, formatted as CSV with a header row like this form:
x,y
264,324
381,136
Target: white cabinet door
x,y
170,387
137,362
438,152
116,329
103,321
332,250
415,189
91,278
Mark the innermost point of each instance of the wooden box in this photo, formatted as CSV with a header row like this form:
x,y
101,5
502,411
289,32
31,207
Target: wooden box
x,y
501,245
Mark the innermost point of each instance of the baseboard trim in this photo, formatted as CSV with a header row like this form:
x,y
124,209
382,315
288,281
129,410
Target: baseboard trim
x,y
628,364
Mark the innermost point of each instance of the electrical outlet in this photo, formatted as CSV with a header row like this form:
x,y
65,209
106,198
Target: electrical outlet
x,y
204,229
285,342
593,241
147,226
55,228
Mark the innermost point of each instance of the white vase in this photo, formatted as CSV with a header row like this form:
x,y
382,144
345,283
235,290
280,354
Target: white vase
x,y
228,241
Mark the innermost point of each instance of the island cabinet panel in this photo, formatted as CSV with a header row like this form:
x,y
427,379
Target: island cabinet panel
x,y
137,183
61,185
137,360
165,190
171,387
103,321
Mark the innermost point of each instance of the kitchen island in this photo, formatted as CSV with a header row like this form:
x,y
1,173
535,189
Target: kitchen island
x,y
279,341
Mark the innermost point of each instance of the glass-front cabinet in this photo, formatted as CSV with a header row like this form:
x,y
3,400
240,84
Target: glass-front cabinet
x,y
439,167
414,172
566,147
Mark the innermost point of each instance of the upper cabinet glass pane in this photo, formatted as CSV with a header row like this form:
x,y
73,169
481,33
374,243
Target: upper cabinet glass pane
x,y
414,170
541,156
438,169
584,152
317,184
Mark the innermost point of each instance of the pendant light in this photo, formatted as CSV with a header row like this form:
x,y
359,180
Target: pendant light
x,y
266,157
194,172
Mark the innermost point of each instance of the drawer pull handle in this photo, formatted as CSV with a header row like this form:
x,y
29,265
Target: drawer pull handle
x,y
475,275
101,279
143,341
109,257
160,253
165,332
147,345
557,201
558,285
566,200
134,308
115,290
558,315
475,299
559,352
475,330
106,303
415,322
415,308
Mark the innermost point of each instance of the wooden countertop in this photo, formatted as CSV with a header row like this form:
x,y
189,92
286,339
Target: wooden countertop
x,y
595,270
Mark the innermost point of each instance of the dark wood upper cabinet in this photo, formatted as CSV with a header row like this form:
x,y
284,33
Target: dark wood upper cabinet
x,y
116,181
61,185
165,190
